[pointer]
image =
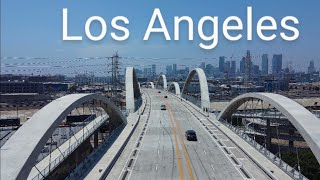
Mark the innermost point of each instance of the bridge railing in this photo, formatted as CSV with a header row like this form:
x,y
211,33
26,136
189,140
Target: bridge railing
x,y
192,99
93,157
53,164
263,150
138,103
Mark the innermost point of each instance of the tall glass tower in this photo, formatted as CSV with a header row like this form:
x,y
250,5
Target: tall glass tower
x,y
265,64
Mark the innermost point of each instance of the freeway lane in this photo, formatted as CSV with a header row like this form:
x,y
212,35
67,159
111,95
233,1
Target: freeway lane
x,y
206,157
164,152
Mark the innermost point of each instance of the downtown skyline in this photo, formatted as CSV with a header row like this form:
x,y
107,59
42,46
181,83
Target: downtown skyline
x,y
83,65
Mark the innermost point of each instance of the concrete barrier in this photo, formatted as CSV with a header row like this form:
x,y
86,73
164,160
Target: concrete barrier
x,y
106,163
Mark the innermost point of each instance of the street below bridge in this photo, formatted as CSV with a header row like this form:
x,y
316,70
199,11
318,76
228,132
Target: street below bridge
x,y
163,152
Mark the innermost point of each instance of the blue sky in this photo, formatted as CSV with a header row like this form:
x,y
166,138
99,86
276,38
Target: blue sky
x,y
33,28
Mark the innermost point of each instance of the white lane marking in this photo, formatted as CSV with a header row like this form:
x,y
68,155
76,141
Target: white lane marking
x,y
215,130
218,124
212,167
158,152
156,167
228,157
134,148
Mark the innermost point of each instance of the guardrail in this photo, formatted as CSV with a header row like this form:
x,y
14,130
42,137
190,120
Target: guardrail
x,y
53,164
272,157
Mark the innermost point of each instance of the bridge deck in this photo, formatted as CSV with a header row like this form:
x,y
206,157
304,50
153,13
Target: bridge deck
x,y
164,153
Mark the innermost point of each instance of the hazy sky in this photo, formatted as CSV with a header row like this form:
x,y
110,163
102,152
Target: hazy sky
x,y
33,28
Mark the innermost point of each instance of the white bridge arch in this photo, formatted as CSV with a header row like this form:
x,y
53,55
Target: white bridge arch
x,y
132,89
303,120
174,87
164,80
204,92
151,84
19,153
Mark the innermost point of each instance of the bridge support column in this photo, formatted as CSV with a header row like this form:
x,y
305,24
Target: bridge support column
x,y
95,139
268,135
291,132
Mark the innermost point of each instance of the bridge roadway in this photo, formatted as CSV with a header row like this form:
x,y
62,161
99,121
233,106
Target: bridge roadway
x,y
164,152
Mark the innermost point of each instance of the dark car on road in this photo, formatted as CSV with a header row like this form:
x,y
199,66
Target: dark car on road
x,y
165,96
163,107
191,135
159,91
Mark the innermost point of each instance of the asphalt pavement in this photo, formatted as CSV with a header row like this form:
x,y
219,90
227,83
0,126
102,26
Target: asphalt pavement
x,y
165,153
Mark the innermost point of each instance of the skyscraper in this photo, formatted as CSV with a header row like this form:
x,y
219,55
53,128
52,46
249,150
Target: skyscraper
x,y
221,64
265,64
311,68
153,71
276,64
209,69
233,68
242,65
256,70
227,67
174,68
248,68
